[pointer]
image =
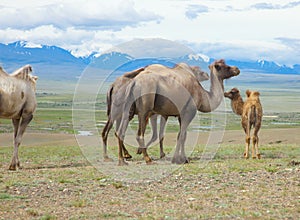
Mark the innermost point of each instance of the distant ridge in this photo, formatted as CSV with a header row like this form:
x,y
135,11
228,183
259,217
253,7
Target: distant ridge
x,y
52,62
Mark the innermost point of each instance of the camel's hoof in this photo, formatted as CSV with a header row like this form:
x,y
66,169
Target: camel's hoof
x,y
107,159
180,160
122,163
139,151
246,156
12,167
127,156
150,162
258,156
162,155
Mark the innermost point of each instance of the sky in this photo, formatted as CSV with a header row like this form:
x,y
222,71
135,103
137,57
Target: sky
x,y
229,29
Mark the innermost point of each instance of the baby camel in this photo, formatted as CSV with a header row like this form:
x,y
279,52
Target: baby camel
x,y
251,115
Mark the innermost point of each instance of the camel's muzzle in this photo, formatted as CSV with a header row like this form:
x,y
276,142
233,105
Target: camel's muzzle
x,y
236,71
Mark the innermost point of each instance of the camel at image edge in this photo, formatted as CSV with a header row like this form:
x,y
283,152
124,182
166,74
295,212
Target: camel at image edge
x,y
251,116
115,103
157,91
17,102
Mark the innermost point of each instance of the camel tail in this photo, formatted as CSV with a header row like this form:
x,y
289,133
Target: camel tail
x,y
108,100
129,107
128,110
252,115
134,73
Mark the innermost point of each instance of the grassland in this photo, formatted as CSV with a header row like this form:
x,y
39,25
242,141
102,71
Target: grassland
x,y
58,182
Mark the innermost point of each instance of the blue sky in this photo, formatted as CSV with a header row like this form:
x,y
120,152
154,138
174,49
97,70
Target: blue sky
x,y
230,29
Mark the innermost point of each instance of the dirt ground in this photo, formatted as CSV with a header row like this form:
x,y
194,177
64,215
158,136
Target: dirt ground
x,y
227,189
267,136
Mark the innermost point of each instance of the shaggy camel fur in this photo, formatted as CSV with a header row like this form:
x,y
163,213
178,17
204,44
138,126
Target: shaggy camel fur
x,y
160,90
115,102
251,115
17,102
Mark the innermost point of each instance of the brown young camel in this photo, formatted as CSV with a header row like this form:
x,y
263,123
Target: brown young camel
x,y
251,115
17,102
115,103
162,91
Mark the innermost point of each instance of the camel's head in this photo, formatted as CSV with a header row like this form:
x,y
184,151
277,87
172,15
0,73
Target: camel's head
x,y
234,93
222,70
199,74
252,94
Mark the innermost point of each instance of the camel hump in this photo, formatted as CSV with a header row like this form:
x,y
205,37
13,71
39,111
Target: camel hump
x,y
134,73
24,73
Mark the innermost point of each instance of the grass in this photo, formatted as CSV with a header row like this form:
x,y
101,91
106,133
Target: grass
x,y
54,115
57,182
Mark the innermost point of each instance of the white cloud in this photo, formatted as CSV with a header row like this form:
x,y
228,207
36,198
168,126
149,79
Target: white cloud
x,y
253,50
193,11
81,14
252,29
153,47
264,5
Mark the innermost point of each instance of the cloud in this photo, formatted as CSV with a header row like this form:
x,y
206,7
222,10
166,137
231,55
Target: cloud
x,y
193,11
80,14
291,43
279,51
153,47
263,5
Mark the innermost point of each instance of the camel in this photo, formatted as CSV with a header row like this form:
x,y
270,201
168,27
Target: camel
x,y
171,93
251,115
17,102
115,102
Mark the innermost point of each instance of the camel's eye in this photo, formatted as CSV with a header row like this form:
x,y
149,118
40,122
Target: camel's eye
x,y
218,67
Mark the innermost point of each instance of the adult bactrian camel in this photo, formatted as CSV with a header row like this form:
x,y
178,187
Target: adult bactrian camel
x,y
115,103
161,91
251,115
17,102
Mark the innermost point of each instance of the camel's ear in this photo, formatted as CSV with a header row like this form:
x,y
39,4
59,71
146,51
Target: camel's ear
x,y
256,93
235,90
248,92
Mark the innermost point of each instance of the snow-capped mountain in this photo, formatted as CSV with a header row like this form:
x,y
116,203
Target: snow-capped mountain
x,y
52,62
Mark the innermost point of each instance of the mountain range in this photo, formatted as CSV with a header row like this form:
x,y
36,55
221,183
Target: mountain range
x,y
52,62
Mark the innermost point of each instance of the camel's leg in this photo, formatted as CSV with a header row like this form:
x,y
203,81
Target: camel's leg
x,y
121,135
125,151
122,162
163,122
105,133
255,144
15,160
246,127
140,137
179,156
19,130
247,144
153,121
175,158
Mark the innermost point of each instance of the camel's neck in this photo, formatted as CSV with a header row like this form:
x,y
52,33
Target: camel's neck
x,y
210,100
237,105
